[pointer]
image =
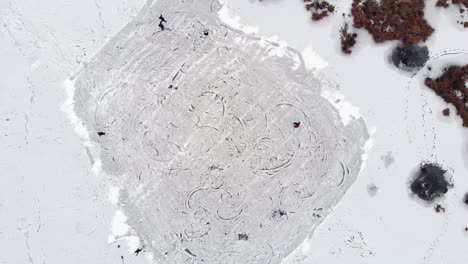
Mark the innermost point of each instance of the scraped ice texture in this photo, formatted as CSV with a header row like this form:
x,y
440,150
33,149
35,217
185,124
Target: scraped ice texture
x,y
199,132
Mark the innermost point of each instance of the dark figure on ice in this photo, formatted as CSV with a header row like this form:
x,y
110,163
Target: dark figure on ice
x,y
161,25
297,124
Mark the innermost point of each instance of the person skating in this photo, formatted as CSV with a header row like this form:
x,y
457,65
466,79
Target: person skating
x,y
162,19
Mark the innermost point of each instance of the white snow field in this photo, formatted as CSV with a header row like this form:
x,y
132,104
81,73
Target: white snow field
x,y
199,133
53,209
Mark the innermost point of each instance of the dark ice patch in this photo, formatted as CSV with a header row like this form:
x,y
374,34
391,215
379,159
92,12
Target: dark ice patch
x,y
410,57
372,189
243,236
430,182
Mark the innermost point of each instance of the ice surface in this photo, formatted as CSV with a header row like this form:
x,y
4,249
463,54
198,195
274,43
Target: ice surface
x,y
199,131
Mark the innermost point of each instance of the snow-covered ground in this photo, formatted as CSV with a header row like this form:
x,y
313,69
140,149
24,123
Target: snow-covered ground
x,y
53,208
391,226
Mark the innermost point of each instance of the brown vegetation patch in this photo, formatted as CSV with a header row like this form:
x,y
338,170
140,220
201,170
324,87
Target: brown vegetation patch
x,y
446,112
460,2
319,8
392,20
451,86
348,40
442,3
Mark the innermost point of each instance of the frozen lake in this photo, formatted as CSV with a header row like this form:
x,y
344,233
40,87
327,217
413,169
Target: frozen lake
x,y
55,208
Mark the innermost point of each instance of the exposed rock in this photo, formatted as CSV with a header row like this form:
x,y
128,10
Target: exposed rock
x,y
430,182
439,209
410,57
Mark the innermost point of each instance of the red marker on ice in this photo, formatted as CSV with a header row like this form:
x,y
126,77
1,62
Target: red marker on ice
x,y
297,124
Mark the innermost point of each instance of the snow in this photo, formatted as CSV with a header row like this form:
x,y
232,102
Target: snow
x,y
312,60
392,226
61,206
119,224
53,205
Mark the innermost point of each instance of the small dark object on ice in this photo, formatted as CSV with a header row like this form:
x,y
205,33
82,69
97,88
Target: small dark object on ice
x,y
439,209
297,124
243,236
101,134
161,25
206,32
278,214
410,57
348,40
430,182
190,252
446,112
162,18
466,199
138,250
